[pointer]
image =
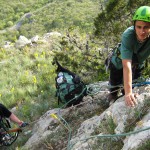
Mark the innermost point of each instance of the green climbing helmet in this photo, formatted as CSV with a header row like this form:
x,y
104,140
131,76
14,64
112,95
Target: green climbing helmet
x,y
142,13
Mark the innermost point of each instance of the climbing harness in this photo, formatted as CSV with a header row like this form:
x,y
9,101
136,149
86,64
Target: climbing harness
x,y
114,52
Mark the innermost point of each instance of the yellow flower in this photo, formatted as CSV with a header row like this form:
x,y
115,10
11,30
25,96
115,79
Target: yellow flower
x,y
45,65
34,79
43,53
17,107
12,89
36,55
140,123
42,56
39,65
26,73
54,116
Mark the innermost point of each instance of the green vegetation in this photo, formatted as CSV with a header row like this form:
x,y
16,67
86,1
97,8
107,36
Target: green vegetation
x,y
89,29
107,127
24,75
27,82
12,11
108,143
38,17
144,146
81,55
116,16
138,115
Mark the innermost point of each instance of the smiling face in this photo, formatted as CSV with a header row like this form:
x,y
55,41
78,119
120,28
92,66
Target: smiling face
x,y
142,30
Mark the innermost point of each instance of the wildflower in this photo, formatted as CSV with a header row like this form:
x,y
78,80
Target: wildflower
x,y
34,79
45,65
140,123
39,65
54,116
26,73
12,89
36,55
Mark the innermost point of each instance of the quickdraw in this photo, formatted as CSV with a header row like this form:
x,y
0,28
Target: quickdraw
x,y
115,51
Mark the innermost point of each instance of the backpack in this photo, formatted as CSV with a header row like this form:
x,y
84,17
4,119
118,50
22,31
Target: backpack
x,y
70,90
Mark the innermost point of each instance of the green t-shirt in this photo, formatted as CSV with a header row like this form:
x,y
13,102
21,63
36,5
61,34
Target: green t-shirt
x,y
131,46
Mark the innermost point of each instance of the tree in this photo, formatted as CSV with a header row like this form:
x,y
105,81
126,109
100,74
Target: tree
x,y
114,18
9,24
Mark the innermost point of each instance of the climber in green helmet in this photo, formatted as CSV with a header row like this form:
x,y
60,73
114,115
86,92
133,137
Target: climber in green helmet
x,y
134,50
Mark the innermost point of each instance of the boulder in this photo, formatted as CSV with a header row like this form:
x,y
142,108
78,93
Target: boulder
x,y
22,42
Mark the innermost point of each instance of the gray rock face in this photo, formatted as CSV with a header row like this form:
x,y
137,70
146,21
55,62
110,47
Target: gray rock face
x,y
118,112
22,42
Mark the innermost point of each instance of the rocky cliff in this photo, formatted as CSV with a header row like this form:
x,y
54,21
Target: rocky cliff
x,y
88,126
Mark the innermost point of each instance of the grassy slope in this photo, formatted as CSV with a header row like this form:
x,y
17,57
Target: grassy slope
x,y
47,16
15,62
27,76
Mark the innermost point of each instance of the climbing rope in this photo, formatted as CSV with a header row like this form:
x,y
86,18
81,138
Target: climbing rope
x,y
91,90
113,135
